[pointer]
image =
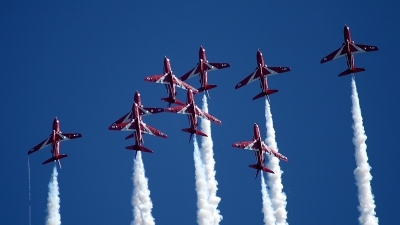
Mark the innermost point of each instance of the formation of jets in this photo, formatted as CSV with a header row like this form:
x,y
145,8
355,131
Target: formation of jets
x,y
132,121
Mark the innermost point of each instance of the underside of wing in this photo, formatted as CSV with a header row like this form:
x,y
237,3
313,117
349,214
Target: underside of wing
x,y
192,73
182,109
275,70
334,55
269,150
249,145
152,131
163,79
41,145
252,77
184,85
69,136
127,117
217,66
200,113
143,111
357,48
125,126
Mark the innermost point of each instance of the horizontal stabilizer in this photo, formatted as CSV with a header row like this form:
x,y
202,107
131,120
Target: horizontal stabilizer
x,y
138,148
130,136
263,168
208,87
354,70
171,101
262,94
191,131
52,159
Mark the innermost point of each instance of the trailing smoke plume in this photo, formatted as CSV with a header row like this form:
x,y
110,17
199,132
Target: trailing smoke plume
x,y
203,207
29,179
209,164
267,209
278,197
141,201
362,172
53,201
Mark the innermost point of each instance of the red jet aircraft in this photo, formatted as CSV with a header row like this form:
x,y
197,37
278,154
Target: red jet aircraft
x,y
202,68
259,147
132,121
54,140
193,112
348,49
261,72
170,81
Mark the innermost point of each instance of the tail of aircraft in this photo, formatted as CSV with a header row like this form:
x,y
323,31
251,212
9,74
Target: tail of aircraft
x,y
192,131
52,159
262,94
208,87
171,101
348,71
138,148
258,168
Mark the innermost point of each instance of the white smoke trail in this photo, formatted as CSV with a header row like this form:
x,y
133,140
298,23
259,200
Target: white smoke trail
x,y
141,201
362,172
53,200
278,197
29,179
267,209
203,207
209,165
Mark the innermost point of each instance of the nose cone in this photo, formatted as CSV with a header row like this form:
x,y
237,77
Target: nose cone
x,y
137,97
255,126
259,54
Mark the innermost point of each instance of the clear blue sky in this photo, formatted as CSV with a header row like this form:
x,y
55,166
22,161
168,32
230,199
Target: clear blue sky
x,y
83,61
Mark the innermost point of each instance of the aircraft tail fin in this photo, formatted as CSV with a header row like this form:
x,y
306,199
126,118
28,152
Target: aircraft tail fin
x,y
208,87
55,158
348,71
130,136
262,94
138,148
189,130
263,168
171,101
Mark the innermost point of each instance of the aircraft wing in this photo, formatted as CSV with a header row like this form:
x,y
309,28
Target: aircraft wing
x,y
357,48
152,131
162,79
217,66
69,136
184,85
336,54
204,115
125,126
278,155
181,109
252,77
143,111
249,145
209,67
127,117
192,73
41,145
268,71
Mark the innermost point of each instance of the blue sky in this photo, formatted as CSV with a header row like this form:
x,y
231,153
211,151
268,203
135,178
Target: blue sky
x,y
83,61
